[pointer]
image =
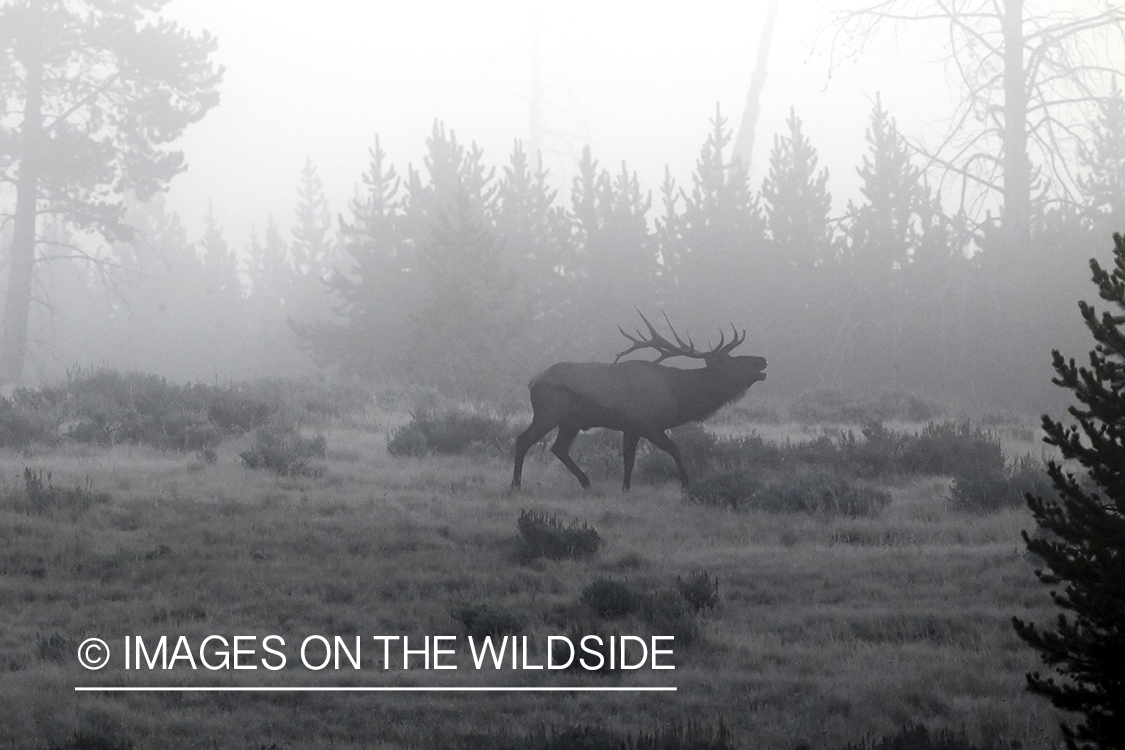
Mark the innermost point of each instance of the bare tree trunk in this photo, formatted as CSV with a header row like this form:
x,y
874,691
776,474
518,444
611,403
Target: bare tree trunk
x,y
535,100
21,266
744,142
1017,168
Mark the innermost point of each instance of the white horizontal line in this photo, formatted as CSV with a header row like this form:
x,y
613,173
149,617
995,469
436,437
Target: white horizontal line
x,y
173,689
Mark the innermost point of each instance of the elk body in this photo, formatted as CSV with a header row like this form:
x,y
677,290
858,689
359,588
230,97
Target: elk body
x,y
640,399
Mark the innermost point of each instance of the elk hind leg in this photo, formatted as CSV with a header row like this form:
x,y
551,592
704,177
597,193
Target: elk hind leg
x,y
664,443
529,437
561,448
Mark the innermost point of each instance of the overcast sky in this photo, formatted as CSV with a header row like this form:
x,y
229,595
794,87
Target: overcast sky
x,y
638,82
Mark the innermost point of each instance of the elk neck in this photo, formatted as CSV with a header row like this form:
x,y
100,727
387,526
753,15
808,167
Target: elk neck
x,y
701,392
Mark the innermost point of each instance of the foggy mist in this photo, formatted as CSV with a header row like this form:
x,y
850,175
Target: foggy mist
x,y
275,253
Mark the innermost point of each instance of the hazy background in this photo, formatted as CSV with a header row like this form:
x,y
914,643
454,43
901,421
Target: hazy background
x,y
637,83
464,273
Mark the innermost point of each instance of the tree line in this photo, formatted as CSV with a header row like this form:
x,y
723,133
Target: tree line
x,y
470,278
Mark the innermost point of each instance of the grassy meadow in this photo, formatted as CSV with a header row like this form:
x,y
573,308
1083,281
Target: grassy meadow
x,y
829,630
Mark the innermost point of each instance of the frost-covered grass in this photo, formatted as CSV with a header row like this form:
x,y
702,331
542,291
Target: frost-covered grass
x,y
828,629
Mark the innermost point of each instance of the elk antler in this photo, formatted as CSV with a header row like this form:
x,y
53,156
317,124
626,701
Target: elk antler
x,y
680,348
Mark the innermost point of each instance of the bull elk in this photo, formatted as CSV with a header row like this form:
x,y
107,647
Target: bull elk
x,y
635,397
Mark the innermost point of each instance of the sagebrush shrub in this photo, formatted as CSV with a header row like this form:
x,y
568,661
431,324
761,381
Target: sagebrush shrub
x,y
820,493
449,432
799,490
611,598
700,590
285,451
917,737
985,489
728,489
676,736
667,613
949,447
40,495
482,620
544,535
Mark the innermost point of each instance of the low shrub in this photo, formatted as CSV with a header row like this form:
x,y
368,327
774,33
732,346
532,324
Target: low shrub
x,y
700,590
285,451
610,598
53,647
918,737
40,495
728,489
232,410
481,620
84,740
544,535
676,736
667,613
986,489
108,407
820,493
801,490
449,432
27,417
944,448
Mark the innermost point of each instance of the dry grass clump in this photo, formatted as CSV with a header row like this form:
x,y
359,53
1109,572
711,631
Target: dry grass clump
x,y
544,535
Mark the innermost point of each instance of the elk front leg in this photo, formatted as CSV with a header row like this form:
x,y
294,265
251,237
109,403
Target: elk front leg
x,y
629,445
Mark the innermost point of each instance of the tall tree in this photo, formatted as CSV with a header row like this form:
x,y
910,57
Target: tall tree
x,y
220,273
618,269
1083,544
1026,74
268,268
377,290
721,228
540,249
461,336
311,253
98,90
311,247
1103,187
884,230
797,202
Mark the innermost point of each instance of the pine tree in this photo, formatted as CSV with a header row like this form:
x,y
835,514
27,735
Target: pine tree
x,y
461,338
1104,186
722,230
268,268
311,251
1082,539
884,230
94,94
375,293
218,261
618,270
539,247
311,248
797,202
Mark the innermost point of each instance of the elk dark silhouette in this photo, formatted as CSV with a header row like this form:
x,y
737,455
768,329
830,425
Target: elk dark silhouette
x,y
637,398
